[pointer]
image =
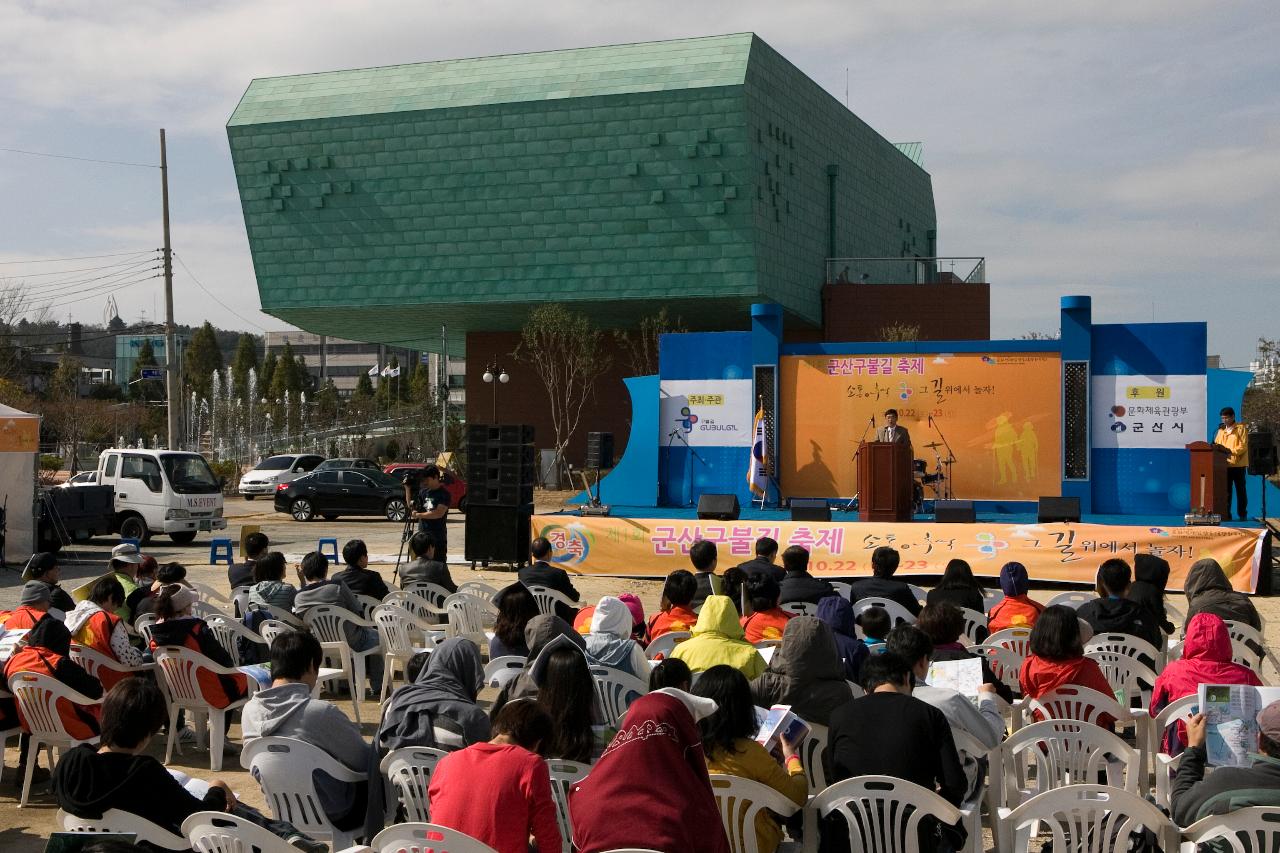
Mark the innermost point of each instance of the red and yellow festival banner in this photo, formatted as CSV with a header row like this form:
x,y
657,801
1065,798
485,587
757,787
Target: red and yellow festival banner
x,y
1001,414
653,547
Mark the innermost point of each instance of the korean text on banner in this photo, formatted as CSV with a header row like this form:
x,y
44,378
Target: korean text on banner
x,y
706,412
1148,411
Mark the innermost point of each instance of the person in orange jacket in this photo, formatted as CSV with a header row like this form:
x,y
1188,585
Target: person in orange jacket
x,y
1016,609
33,605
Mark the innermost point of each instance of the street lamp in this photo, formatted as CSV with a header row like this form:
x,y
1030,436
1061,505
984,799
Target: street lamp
x,y
491,373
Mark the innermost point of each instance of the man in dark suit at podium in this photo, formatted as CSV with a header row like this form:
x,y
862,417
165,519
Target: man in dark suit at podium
x,y
891,431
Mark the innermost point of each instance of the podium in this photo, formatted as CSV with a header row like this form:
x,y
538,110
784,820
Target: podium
x,y
884,481
1209,478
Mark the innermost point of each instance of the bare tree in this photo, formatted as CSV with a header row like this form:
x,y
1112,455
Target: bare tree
x,y
641,345
17,303
897,332
1039,336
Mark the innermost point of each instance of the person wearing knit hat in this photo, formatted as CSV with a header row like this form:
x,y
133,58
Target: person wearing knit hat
x,y
1016,609
1196,796
33,604
44,567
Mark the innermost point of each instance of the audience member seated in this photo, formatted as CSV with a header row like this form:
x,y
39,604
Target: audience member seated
x,y
718,638
797,584
46,650
516,804
670,673
655,767
542,573
734,584
177,627
766,620
317,589
33,605
425,568
357,576
1206,659
286,709
1016,609
884,562
1195,795
43,567
728,738
1112,613
269,586
1151,576
142,599
610,643
943,623
568,692
439,708
889,732
764,562
538,635
1057,658
516,606
94,624
639,631
805,672
1209,591
876,624
120,774
169,573
674,613
703,557
959,588
983,722
124,562
837,613
241,574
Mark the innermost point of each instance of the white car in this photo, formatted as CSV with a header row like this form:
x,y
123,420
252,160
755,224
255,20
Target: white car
x,y
274,470
84,478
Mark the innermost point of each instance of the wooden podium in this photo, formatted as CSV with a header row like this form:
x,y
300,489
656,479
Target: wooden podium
x,y
884,481
1209,467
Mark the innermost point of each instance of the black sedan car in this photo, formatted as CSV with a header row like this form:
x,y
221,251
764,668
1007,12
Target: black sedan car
x,y
330,494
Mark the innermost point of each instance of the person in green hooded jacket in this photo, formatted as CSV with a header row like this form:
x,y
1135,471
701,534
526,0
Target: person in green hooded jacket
x,y
718,638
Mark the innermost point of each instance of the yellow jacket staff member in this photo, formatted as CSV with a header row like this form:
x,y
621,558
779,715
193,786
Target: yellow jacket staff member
x,y
1234,438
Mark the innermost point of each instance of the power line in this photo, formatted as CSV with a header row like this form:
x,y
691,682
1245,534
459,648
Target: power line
x,y
107,289
81,159
214,298
77,258
133,259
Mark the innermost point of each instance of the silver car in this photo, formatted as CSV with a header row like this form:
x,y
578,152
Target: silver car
x,y
274,470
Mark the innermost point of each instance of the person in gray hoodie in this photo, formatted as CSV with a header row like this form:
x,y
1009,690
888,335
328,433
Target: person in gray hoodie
x,y
806,672
317,589
269,585
1209,591
287,709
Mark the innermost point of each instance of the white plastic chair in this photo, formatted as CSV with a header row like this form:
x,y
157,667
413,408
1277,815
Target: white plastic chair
x,y
617,690
739,801
222,832
811,753
206,610
564,775
284,769
1250,830
500,670
919,593
1005,663
1073,702
432,592
974,622
96,663
118,821
426,838
1163,765
897,613
1093,817
426,601
469,616
280,615
143,625
327,621
1253,642
1016,640
37,697
666,643
409,770
226,630
208,593
1129,678
366,603
476,588
1075,599
7,734
548,598
395,625
883,813
179,670
842,589
1127,644
800,608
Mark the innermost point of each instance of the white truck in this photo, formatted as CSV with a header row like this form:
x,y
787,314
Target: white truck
x,y
162,491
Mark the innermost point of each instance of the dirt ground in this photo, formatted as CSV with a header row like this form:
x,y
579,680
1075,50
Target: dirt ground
x,y
24,830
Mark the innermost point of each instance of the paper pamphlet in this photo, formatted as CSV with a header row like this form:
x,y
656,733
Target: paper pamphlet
x,y
1231,727
779,722
962,676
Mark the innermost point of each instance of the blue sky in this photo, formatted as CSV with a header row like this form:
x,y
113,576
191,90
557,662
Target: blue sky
x,y
1126,150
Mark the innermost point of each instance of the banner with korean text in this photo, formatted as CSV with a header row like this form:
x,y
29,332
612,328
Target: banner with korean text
x,y
653,547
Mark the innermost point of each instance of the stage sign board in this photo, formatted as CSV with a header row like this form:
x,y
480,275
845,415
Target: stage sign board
x,y
706,413
1000,413
1148,412
654,547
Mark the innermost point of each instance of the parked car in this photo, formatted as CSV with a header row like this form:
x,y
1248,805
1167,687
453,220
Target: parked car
x,y
273,470
452,482
84,478
340,463
347,491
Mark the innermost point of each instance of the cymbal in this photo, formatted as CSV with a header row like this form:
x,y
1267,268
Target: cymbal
x,y
933,445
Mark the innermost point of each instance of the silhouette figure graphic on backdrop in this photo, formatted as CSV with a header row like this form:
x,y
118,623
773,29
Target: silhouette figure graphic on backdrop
x,y
1029,449
1003,443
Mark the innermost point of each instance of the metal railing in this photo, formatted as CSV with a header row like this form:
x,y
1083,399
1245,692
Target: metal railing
x,y
908,270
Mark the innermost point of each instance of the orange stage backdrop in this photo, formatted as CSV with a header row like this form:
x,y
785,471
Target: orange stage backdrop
x,y
652,547
1001,413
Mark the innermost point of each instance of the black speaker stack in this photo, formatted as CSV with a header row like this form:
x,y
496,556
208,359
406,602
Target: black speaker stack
x,y
1262,453
599,450
500,478
718,507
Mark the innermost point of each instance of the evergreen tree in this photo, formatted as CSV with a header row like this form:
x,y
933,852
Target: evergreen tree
x,y
246,359
268,374
419,386
286,377
303,374
326,403
201,359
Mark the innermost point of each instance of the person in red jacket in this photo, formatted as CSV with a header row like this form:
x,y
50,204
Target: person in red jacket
x,y
1057,658
32,606
675,613
46,650
177,627
767,620
516,805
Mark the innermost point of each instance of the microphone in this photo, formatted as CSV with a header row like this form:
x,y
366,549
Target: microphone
x,y
873,420
930,420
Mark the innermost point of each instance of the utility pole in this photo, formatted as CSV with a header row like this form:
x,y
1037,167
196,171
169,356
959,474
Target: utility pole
x,y
170,348
444,398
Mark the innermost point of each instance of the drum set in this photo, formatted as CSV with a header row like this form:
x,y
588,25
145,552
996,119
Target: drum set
x,y
939,480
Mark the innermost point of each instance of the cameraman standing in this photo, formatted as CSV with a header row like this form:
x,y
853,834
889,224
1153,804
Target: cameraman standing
x,y
430,508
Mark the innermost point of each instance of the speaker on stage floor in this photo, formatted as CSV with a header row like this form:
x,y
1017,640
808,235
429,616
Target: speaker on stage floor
x,y
718,507
498,534
810,509
954,512
1058,509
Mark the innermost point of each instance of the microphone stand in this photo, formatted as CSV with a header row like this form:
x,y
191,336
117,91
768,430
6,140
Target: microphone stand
x,y
689,469
871,421
951,457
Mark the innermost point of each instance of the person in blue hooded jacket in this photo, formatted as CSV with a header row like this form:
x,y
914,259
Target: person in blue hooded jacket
x,y
837,612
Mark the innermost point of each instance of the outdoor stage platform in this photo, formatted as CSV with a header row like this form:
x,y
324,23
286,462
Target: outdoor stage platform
x,y
651,542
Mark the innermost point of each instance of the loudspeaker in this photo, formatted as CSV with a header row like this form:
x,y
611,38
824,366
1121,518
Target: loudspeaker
x,y
498,534
810,509
1058,509
718,507
1262,453
599,450
500,465
954,512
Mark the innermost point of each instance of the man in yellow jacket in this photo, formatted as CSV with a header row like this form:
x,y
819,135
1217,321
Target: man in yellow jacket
x,y
1234,438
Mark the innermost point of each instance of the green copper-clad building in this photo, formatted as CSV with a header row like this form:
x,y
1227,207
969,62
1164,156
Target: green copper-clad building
x,y
701,174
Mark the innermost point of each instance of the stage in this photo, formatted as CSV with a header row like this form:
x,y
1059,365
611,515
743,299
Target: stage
x,y
651,542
